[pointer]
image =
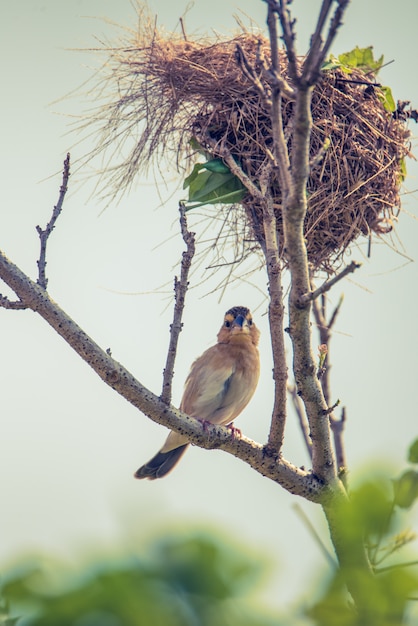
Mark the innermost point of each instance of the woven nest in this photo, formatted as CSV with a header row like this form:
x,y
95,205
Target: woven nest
x,y
182,89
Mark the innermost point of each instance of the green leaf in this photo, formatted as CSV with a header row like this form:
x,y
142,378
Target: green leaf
x,y
191,177
413,452
213,165
402,175
229,198
362,58
385,96
332,64
195,145
406,489
216,165
215,185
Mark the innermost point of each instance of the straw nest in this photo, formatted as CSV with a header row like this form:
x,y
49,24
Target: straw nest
x,y
183,89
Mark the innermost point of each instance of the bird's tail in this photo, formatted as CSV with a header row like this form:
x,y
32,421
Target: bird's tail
x,y
161,463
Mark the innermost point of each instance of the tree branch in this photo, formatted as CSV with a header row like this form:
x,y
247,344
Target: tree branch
x,y
293,479
280,151
44,234
276,317
318,49
303,422
327,285
304,365
180,290
250,73
15,305
324,328
294,212
287,24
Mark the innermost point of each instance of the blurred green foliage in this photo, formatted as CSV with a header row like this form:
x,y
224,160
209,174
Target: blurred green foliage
x,y
375,514
199,580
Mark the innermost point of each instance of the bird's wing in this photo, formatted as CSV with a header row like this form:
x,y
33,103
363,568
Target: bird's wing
x,y
207,384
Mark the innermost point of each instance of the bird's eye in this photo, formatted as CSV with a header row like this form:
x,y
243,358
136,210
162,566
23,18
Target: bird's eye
x,y
250,322
227,324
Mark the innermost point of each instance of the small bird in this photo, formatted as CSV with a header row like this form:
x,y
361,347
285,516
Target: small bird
x,y
221,383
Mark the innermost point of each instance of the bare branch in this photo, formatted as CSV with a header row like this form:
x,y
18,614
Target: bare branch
x,y
287,24
250,73
324,329
304,365
293,479
276,317
45,233
180,290
15,305
327,285
318,49
280,151
337,427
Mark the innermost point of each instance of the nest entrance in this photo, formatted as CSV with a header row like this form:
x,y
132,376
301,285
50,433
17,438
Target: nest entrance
x,y
183,89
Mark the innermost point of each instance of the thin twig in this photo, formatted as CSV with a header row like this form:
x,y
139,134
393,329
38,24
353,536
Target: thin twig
x,y
276,318
305,519
338,427
287,24
326,286
280,151
180,290
319,49
15,305
303,422
45,233
250,73
337,424
20,305
183,29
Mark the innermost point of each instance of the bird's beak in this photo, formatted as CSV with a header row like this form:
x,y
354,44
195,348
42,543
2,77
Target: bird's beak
x,y
239,321
239,325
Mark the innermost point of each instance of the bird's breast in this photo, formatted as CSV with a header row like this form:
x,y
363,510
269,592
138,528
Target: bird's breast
x,y
222,382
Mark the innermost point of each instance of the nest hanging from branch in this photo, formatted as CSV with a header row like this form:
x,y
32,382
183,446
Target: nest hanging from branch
x,y
170,90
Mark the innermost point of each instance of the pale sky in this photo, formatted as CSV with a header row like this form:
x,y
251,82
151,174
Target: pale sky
x,y
69,444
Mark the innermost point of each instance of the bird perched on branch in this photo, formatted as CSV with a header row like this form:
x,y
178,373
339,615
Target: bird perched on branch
x,y
221,383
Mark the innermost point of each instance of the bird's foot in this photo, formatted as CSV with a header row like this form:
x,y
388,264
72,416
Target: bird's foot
x,y
235,432
205,424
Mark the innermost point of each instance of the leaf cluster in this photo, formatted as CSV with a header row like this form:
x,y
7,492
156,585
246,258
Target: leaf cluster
x,y
363,59
376,512
212,182
179,581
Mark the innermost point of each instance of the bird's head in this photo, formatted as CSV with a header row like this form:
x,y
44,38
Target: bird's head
x,y
238,326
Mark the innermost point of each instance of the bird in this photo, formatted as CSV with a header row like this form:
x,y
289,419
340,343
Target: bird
x,y
219,386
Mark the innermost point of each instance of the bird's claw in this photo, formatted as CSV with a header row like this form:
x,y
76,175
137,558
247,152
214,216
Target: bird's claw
x,y
205,424
235,432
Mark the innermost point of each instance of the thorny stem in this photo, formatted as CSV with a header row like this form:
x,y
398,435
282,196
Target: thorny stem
x,y
45,233
180,290
20,305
